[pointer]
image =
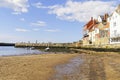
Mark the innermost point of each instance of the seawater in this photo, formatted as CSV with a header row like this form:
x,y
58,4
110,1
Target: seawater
x,y
9,51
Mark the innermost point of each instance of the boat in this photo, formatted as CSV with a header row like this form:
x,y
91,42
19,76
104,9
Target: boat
x,y
46,49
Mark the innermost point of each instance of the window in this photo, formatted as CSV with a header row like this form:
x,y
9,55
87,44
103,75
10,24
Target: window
x,y
103,33
95,30
114,24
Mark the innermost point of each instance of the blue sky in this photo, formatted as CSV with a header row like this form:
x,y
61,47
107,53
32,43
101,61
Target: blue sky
x,y
48,20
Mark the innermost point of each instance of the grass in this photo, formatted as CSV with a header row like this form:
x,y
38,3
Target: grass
x,y
31,67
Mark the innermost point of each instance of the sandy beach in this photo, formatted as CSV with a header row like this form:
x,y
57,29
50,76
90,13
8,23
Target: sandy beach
x,y
78,66
31,67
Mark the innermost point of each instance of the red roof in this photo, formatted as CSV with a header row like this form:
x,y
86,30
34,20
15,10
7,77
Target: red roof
x,y
90,24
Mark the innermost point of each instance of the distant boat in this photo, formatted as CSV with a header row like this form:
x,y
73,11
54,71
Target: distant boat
x,y
46,49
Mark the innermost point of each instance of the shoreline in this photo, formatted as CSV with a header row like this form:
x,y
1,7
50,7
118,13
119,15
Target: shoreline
x,y
36,54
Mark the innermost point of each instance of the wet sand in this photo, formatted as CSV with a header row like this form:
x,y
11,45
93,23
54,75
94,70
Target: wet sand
x,y
100,66
68,69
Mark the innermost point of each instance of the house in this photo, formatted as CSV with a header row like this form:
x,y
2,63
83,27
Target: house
x,y
88,32
114,21
96,32
102,30
101,34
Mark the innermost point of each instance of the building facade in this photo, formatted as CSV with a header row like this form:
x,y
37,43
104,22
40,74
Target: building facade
x,y
96,31
88,32
114,21
103,30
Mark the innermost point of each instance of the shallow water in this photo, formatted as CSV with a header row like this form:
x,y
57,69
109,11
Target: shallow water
x,y
8,51
68,69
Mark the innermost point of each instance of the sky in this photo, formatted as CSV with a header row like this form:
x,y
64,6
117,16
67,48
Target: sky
x,y
56,21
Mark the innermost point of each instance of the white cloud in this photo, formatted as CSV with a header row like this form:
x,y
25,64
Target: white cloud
x,y
52,30
18,6
39,23
39,5
81,11
21,30
36,29
22,19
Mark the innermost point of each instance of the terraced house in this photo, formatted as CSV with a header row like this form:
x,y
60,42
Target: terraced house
x,y
88,37
114,21
104,30
96,31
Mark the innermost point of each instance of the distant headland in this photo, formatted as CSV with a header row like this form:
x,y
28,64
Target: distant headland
x,y
7,44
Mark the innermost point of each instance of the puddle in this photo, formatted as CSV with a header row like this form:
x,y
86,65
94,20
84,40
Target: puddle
x,y
68,69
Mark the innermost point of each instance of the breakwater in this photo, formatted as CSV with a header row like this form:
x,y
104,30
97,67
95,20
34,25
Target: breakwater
x,y
44,45
54,47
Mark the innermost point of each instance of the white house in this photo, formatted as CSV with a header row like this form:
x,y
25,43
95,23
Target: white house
x,y
114,21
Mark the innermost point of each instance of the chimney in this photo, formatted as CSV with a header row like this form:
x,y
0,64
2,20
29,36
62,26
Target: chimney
x,y
91,18
118,8
105,16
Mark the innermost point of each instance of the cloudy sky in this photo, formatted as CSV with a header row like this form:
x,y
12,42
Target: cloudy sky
x,y
48,20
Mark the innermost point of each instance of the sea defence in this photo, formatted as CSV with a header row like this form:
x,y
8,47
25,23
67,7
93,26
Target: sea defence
x,y
45,45
59,47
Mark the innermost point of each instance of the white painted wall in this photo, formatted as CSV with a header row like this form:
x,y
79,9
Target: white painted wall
x,y
90,36
96,30
99,19
114,26
93,36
